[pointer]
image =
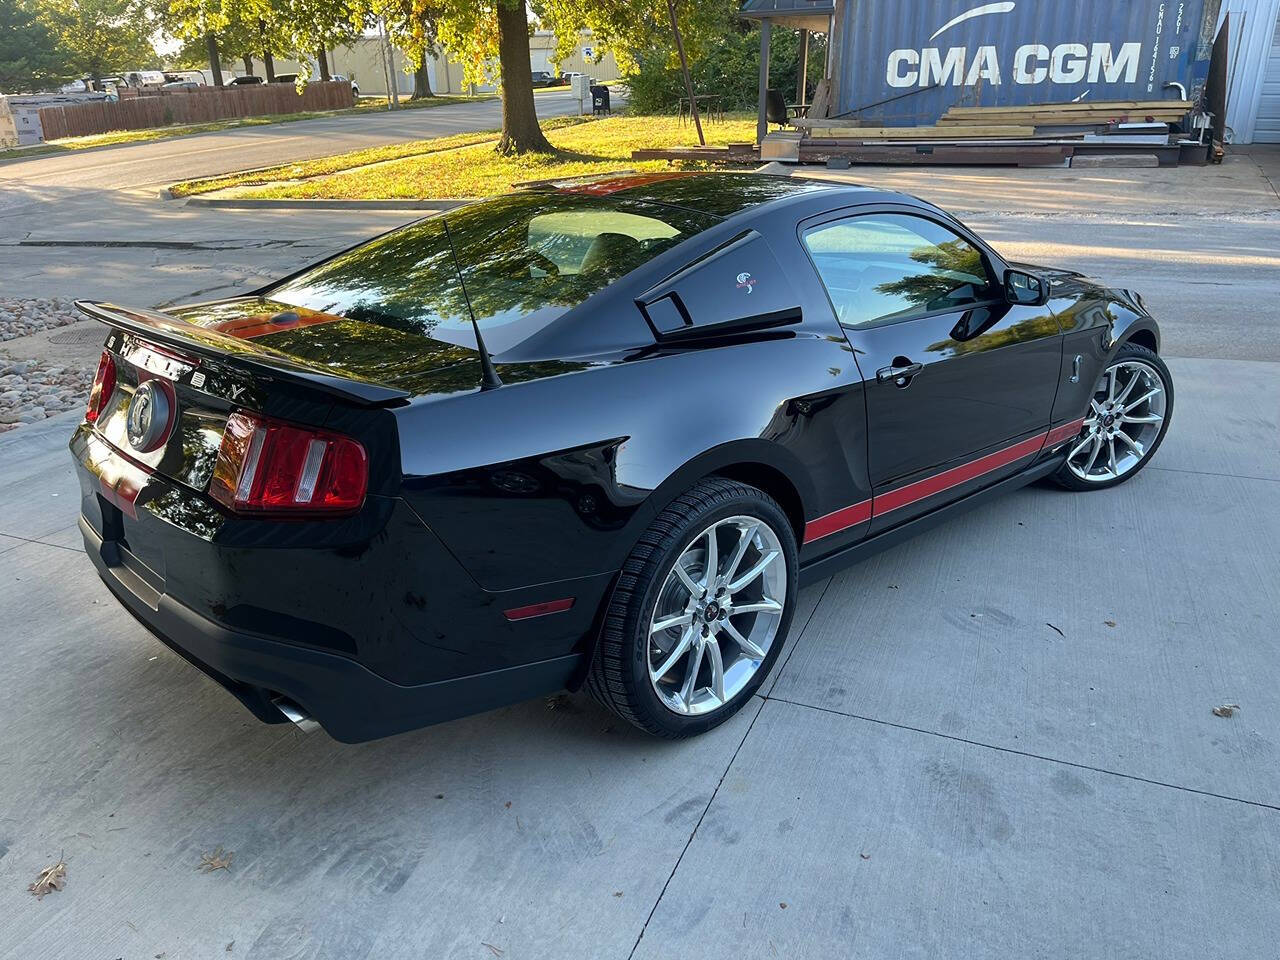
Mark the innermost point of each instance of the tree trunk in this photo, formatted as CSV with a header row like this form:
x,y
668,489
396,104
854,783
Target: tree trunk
x,y
215,65
422,80
248,65
268,64
323,60
520,130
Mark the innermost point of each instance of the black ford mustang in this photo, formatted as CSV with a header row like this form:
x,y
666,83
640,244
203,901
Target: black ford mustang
x,y
596,433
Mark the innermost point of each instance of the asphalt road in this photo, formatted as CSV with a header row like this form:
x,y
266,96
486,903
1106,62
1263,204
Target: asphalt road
x,y
68,189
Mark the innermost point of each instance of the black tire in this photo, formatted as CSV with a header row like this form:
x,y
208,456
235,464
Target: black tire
x,y
619,674
1129,351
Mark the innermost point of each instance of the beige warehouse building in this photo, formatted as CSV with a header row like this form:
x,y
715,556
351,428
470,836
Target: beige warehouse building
x,y
364,62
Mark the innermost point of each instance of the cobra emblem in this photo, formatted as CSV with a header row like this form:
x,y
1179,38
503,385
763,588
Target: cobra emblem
x,y
147,419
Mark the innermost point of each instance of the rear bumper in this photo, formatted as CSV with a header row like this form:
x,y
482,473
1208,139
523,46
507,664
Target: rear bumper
x,y
351,702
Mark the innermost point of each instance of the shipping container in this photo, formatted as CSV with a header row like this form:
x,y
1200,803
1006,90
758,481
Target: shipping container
x,y
896,63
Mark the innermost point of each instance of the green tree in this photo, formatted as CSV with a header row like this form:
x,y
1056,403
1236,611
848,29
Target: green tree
x,y
490,38
96,38
413,25
725,60
198,22
631,29
309,28
29,59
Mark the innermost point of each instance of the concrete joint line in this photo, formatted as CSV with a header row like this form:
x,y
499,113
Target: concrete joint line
x,y
1033,756
728,767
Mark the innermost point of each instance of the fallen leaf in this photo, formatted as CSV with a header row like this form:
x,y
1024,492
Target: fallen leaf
x,y
1055,629
1109,623
50,879
1226,710
783,905
507,804
617,893
439,796
218,860
230,945
496,951
865,856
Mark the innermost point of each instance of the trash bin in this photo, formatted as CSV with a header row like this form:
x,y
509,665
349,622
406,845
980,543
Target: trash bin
x,y
600,100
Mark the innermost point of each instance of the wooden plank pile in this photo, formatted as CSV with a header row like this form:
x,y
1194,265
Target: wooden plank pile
x,y
1107,133
1031,135
1082,114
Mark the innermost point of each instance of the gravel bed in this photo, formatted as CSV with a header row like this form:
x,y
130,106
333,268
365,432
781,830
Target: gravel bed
x,y
20,318
30,391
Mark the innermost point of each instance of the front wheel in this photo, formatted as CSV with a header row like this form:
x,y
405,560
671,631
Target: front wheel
x,y
1128,417
700,612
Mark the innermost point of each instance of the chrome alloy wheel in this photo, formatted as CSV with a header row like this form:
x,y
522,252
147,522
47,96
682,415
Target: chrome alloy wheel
x,y
1125,417
717,615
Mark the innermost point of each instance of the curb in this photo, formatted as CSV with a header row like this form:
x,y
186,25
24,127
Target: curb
x,y
246,203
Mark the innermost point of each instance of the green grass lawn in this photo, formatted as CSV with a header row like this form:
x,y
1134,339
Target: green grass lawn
x,y
450,167
363,105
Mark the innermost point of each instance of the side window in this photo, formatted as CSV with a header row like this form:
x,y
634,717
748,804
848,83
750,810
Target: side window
x,y
883,267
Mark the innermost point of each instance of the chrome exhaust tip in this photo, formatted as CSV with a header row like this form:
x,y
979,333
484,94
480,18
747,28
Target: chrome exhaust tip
x,y
295,715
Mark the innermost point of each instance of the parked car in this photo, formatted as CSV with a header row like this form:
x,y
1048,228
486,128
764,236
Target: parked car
x,y
596,434
194,77
247,80
355,89
181,85
544,78
144,78
286,78
109,85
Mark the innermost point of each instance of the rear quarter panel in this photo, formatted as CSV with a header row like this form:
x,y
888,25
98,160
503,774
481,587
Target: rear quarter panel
x,y
557,478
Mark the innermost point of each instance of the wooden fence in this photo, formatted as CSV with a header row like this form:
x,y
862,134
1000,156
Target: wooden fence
x,y
201,105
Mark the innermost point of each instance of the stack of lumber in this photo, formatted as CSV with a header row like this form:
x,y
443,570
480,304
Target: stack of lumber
x,y
1084,113
985,131
1108,132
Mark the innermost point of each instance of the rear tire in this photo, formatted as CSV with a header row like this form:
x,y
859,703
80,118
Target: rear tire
x,y
1129,414
684,646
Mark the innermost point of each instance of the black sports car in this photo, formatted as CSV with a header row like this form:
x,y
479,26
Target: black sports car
x,y
595,433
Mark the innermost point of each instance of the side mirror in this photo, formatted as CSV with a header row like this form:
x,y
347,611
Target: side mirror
x,y
1025,289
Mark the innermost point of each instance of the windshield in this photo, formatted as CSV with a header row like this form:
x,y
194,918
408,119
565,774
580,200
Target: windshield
x,y
521,262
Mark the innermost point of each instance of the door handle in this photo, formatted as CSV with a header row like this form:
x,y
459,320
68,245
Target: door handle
x,y
900,375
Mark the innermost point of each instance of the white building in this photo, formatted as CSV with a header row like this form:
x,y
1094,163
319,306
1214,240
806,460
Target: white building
x,y
1253,85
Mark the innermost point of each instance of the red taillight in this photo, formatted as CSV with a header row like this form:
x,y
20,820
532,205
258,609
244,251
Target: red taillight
x,y
267,466
104,384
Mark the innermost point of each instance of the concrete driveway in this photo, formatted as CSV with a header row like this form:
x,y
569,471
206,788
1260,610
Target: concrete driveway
x,y
995,740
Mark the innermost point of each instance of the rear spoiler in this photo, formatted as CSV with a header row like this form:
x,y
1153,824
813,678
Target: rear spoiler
x,y
201,341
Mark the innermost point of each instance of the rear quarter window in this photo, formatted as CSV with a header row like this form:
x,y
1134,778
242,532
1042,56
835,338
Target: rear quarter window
x,y
517,263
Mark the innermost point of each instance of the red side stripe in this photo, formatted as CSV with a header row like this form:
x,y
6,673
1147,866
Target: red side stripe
x,y
837,520
850,516
1064,432
538,609
929,486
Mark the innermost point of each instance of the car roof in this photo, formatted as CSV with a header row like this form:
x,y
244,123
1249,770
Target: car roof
x,y
719,194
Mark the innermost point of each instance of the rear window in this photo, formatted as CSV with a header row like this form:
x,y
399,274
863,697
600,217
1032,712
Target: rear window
x,y
521,262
